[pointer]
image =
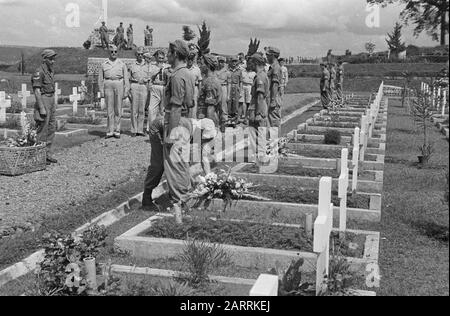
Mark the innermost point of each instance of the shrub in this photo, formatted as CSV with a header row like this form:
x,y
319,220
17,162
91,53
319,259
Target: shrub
x,y
332,137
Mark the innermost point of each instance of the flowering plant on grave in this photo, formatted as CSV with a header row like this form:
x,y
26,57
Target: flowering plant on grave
x,y
222,186
27,139
281,144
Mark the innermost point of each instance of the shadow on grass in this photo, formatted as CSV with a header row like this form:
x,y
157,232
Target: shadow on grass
x,y
433,230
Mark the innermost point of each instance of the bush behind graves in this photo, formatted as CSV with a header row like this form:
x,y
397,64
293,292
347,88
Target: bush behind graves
x,y
332,137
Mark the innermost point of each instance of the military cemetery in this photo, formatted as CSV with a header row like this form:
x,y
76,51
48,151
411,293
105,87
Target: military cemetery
x,y
182,167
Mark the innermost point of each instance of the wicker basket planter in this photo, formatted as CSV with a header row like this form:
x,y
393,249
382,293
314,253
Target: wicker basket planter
x,y
16,161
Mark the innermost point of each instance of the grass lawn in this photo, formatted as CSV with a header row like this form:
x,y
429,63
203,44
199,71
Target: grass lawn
x,y
414,258
293,102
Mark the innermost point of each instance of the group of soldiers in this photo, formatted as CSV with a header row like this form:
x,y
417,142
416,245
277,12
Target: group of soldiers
x,y
120,41
331,84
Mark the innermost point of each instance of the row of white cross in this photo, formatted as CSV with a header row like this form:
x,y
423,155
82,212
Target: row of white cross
x,y
438,96
24,94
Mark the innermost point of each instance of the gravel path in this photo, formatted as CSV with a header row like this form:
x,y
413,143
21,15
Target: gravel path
x,y
83,172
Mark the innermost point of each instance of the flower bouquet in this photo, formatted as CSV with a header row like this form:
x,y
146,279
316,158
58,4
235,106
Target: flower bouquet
x,y
221,186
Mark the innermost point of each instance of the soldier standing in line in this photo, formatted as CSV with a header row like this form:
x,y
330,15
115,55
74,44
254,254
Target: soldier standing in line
x,y
43,83
210,96
248,76
224,77
242,61
197,74
158,74
130,36
139,80
325,86
275,76
114,87
235,92
340,83
284,77
179,98
332,70
148,36
120,36
104,37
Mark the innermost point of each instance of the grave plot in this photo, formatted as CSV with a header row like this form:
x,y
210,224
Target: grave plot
x,y
253,247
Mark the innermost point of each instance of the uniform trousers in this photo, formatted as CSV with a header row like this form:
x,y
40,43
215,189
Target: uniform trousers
x,y
46,129
114,92
139,94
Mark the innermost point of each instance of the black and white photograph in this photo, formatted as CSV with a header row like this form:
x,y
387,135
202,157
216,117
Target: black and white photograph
x,y
224,153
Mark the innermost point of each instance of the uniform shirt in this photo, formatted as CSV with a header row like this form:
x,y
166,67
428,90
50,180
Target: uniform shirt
x,y
211,92
236,76
161,79
180,89
332,78
196,72
129,31
261,84
139,72
224,76
112,70
324,79
275,77
248,77
120,30
43,78
103,29
340,75
284,76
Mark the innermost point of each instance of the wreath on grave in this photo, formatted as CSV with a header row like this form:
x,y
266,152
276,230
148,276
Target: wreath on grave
x,y
28,137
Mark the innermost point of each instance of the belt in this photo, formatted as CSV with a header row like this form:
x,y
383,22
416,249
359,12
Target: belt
x,y
114,79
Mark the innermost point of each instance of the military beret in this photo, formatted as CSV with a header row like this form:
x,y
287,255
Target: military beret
x,y
180,47
210,61
273,51
140,50
48,53
258,58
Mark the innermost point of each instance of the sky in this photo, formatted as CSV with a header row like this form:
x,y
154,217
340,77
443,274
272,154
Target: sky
x,y
306,28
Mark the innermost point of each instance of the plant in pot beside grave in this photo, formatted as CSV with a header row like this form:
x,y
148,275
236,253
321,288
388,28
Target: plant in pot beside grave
x,y
23,154
422,113
66,269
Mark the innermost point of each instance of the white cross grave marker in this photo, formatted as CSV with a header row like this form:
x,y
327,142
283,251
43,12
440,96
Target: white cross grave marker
x,y
343,189
102,101
355,159
4,104
24,94
444,101
322,230
57,93
363,137
74,98
23,121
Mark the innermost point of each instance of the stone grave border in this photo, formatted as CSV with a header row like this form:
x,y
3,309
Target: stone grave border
x,y
438,122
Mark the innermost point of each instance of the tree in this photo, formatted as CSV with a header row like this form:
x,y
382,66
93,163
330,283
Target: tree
x,y
394,40
370,48
430,16
204,40
188,33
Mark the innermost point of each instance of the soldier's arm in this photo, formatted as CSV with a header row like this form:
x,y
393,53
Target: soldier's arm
x,y
228,87
101,82
36,81
126,79
178,93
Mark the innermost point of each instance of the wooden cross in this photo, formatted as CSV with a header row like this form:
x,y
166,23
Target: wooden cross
x,y
343,189
4,104
24,94
355,159
57,93
74,98
322,231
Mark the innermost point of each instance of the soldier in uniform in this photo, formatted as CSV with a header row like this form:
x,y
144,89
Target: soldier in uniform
x,y
210,97
158,74
284,76
130,36
43,83
242,61
340,83
332,90
114,87
275,76
104,37
148,36
248,76
236,88
139,80
197,74
120,36
325,86
224,77
179,98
